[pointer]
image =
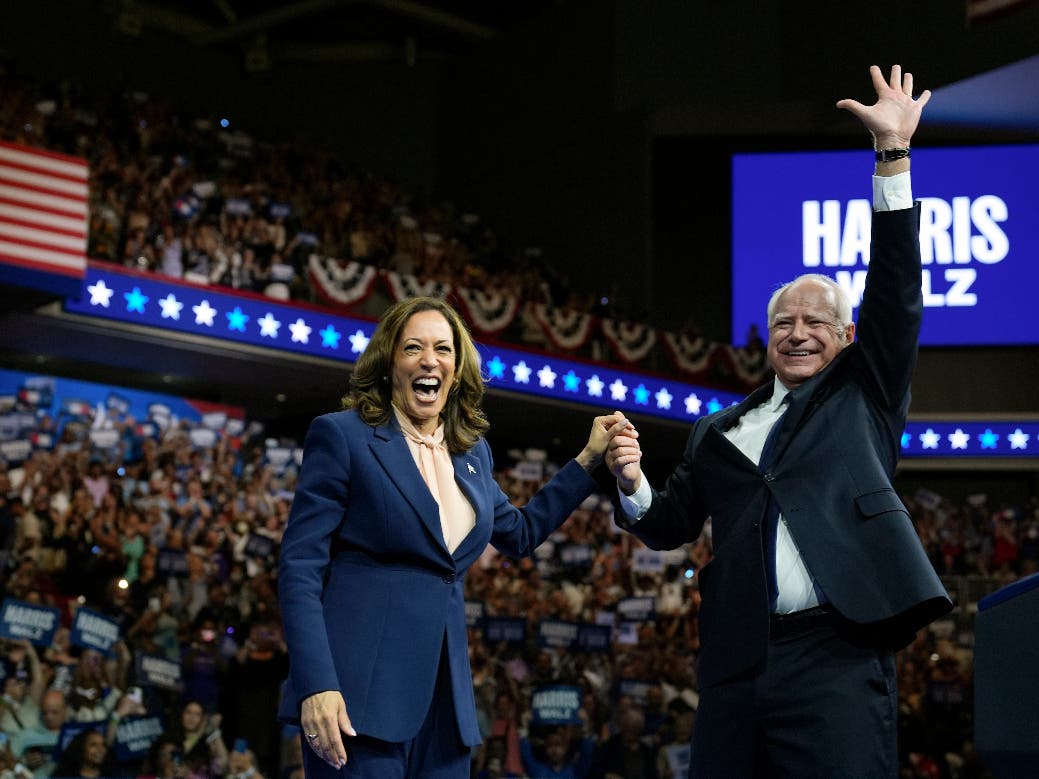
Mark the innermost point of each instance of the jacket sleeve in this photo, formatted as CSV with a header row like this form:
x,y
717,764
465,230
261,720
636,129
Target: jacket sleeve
x,y
891,311
318,508
519,531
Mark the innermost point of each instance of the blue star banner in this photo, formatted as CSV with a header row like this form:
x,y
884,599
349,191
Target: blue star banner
x,y
164,303
245,318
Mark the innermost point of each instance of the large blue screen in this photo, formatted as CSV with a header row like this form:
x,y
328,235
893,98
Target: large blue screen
x,y
808,212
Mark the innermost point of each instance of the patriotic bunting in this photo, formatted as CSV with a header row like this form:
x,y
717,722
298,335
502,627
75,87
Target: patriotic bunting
x,y
404,285
488,311
564,328
631,341
341,283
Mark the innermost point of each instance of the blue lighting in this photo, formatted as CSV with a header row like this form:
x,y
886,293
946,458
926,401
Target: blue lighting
x,y
330,337
260,321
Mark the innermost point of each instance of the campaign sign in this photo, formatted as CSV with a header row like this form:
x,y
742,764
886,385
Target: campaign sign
x,y
259,547
557,704
21,620
575,554
647,561
640,609
157,671
12,452
511,630
634,688
474,611
594,638
810,212
135,735
557,633
172,562
94,631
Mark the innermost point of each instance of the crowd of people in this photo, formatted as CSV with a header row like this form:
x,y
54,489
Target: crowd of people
x,y
82,527
191,199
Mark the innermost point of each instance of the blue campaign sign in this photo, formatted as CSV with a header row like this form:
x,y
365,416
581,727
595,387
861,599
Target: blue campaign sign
x,y
135,735
637,609
94,631
511,630
809,212
557,633
20,620
157,671
557,704
172,562
594,638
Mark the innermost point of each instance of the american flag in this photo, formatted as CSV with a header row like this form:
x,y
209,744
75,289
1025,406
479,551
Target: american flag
x,y
43,211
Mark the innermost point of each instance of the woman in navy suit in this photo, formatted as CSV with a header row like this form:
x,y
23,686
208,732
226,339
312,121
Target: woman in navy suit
x,y
396,498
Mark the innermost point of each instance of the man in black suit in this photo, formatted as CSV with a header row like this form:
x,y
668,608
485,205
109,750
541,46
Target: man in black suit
x,y
818,574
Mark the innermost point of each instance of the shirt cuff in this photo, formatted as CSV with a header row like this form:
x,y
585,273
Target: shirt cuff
x,y
637,504
892,193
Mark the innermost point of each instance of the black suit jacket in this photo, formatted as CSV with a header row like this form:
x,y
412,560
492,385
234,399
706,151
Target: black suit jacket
x,y
830,472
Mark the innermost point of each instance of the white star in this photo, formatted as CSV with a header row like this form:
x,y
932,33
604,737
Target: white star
x,y
268,325
929,439
618,391
521,373
595,386
100,293
204,313
664,398
692,404
358,342
300,331
958,439
1018,439
170,307
547,377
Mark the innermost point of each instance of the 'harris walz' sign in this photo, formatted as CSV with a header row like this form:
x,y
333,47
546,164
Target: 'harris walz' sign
x,y
135,735
26,621
156,671
511,630
556,705
94,631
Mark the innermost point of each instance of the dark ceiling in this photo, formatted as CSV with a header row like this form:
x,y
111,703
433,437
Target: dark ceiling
x,y
271,32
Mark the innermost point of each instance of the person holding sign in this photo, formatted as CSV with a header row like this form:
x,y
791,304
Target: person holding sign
x,y
396,498
818,573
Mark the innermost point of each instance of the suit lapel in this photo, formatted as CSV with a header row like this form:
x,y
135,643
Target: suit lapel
x,y
720,446
392,452
803,402
467,475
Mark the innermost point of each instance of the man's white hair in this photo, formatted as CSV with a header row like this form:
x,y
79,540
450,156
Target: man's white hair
x,y
841,301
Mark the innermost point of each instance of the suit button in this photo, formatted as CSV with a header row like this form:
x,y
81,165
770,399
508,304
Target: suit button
x,y
449,579
769,476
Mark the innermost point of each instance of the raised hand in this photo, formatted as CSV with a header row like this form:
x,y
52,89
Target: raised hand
x,y
893,119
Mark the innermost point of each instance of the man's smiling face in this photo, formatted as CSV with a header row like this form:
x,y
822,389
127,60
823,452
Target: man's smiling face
x,y
805,335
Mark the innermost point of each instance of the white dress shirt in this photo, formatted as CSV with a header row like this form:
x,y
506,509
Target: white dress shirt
x,y
794,582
